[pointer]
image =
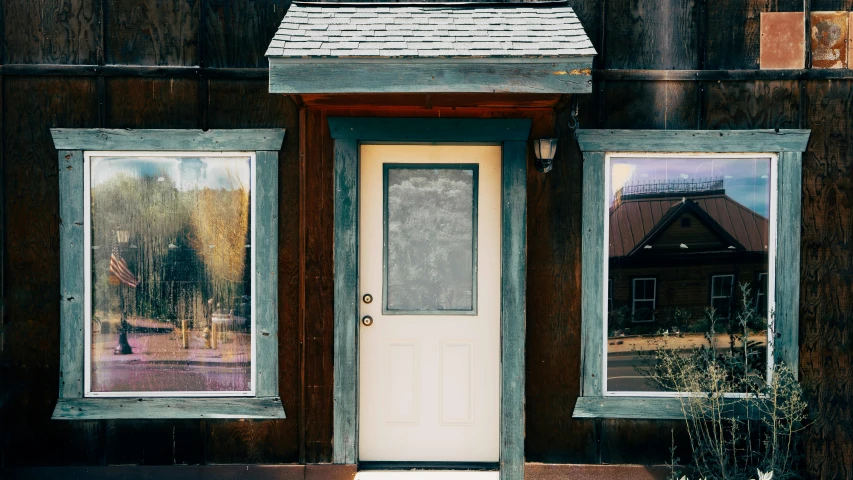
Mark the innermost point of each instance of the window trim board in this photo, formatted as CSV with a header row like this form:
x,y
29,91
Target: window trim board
x,y
71,144
595,145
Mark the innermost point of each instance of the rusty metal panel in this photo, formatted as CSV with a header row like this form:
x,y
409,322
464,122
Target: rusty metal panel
x,y
829,39
783,40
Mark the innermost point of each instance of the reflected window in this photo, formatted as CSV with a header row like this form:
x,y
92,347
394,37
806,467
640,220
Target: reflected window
x,y
688,238
761,294
722,292
643,302
169,274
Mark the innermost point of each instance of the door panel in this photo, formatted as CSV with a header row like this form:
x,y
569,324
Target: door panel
x,y
429,255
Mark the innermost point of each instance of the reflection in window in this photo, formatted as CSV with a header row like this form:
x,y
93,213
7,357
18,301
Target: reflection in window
x,y
643,303
430,237
722,293
170,272
675,223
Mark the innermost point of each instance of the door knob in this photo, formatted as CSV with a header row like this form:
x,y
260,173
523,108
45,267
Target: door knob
x,y
367,321
367,298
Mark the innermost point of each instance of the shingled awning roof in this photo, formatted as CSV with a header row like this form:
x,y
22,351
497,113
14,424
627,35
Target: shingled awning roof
x,y
429,47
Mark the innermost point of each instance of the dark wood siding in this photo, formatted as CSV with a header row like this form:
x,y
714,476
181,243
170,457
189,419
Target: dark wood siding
x,y
213,76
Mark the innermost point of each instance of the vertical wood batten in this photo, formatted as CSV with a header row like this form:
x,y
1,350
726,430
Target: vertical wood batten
x,y
346,305
513,307
788,230
592,278
72,283
266,272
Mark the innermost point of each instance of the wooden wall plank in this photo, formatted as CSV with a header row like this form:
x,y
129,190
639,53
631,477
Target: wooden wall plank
x,y
52,31
652,34
266,272
554,298
658,105
628,442
152,103
317,196
237,34
731,30
826,332
786,346
757,104
246,104
831,5
152,32
31,236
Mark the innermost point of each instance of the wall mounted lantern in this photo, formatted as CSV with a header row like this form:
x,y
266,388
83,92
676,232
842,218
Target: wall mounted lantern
x,y
544,149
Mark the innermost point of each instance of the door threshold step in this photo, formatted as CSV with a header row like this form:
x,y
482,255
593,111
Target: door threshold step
x,y
427,475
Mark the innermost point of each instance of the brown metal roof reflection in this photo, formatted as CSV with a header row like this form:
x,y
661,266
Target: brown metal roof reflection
x,y
633,221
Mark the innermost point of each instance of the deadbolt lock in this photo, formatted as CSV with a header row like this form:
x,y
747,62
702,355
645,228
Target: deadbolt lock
x,y
367,321
367,298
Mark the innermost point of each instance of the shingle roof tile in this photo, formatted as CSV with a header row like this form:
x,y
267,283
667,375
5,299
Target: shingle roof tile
x,y
428,30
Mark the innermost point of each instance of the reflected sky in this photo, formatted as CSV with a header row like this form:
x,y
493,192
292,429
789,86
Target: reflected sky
x,y
187,173
746,180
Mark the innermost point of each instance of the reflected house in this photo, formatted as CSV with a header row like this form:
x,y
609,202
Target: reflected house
x,y
677,248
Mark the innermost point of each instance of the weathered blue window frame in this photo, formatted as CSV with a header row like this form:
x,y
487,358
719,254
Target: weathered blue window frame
x,y
512,135
71,145
595,144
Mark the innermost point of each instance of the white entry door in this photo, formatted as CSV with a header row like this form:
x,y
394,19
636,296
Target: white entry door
x,y
429,260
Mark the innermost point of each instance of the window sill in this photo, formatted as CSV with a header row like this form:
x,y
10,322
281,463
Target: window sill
x,y
651,408
648,408
134,408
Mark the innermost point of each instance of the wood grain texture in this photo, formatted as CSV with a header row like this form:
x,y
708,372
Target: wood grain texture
x,y
786,347
826,336
266,272
561,76
543,471
31,235
346,302
628,442
236,34
432,100
168,408
153,442
52,31
317,288
247,104
513,306
71,273
234,140
732,31
651,34
552,379
429,129
592,309
752,105
133,472
152,32
151,103
658,105
693,140
637,408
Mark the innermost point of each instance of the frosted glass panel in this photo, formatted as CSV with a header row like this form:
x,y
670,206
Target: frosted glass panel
x,y
170,274
430,236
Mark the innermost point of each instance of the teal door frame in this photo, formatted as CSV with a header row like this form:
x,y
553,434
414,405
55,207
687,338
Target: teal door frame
x,y
348,133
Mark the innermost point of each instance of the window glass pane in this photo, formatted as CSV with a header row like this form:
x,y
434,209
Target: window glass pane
x,y
675,224
430,237
171,274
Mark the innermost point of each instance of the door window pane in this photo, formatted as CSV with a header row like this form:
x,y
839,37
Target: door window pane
x,y
677,227
430,238
170,274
